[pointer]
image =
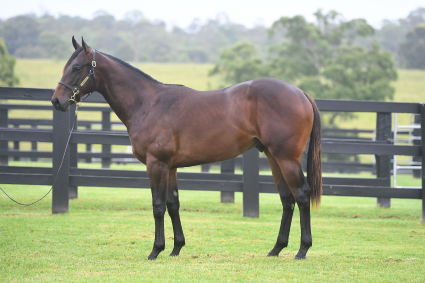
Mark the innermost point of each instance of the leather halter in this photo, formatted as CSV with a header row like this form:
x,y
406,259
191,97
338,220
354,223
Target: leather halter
x,y
76,90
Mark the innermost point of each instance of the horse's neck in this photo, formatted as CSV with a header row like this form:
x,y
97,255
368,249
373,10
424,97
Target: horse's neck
x,y
125,91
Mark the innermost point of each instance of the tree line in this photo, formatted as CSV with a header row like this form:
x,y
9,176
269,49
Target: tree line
x,y
137,38
133,38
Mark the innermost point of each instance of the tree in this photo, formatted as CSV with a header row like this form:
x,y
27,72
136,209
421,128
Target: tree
x,y
393,33
414,18
306,48
20,32
53,45
238,64
322,58
134,18
7,64
412,50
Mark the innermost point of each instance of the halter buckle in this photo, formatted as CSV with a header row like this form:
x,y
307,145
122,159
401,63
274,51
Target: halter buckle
x,y
75,91
93,63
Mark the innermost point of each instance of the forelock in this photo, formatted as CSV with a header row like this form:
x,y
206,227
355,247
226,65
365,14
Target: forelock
x,y
73,56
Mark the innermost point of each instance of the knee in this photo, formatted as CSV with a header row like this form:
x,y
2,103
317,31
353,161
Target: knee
x,y
158,210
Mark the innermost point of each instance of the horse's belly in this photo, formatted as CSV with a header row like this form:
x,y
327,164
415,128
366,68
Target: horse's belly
x,y
208,150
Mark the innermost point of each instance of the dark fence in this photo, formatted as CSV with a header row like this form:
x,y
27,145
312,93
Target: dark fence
x,y
250,183
107,156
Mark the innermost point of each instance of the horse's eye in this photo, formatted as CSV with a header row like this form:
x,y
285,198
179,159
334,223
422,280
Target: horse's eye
x,y
76,69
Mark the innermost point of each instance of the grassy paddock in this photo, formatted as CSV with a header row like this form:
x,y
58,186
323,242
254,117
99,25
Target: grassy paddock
x,y
109,233
40,73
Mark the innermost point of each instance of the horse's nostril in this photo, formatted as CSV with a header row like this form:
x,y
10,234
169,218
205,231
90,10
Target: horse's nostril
x,y
55,102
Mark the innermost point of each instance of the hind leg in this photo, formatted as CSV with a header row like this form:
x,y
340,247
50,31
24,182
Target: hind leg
x,y
288,203
296,181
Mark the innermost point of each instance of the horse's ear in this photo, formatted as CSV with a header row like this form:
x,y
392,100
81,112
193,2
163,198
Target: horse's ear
x,y
74,42
86,48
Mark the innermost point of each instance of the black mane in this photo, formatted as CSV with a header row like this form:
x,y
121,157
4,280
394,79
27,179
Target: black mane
x,y
134,68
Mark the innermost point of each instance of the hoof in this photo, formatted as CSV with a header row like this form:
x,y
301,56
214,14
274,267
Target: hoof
x,y
176,249
299,257
277,249
155,252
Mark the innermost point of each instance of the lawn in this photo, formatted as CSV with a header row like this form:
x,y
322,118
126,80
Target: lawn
x,y
109,233
41,73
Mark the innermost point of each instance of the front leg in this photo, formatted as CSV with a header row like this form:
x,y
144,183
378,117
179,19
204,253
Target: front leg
x,y
158,173
173,205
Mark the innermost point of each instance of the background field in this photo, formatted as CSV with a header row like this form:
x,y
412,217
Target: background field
x,y
46,73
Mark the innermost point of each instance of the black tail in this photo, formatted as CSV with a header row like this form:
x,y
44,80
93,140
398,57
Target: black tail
x,y
314,158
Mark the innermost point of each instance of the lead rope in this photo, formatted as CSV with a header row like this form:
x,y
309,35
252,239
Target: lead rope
x,y
60,166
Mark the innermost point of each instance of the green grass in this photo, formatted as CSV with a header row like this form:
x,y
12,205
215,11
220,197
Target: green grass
x,y
109,233
39,73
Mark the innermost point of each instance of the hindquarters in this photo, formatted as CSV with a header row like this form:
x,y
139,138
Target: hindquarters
x,y
282,117
285,119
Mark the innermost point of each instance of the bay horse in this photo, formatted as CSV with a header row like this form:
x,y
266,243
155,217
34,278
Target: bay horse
x,y
172,126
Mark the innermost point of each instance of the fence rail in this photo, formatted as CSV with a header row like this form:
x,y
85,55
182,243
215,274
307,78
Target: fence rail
x,y
107,155
250,183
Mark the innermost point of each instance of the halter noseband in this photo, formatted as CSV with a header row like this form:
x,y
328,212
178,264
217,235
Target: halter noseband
x,y
76,90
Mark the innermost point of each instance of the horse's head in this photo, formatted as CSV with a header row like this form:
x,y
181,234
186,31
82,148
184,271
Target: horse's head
x,y
75,72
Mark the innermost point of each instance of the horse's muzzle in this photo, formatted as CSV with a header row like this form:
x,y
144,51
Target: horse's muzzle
x,y
58,106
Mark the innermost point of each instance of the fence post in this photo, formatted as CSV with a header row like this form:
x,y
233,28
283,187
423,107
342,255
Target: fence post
x,y
4,145
60,198
228,166
106,148
417,133
205,168
383,162
34,146
251,183
73,151
16,144
422,110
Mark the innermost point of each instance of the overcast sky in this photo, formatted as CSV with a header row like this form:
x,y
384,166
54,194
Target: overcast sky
x,y
247,12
